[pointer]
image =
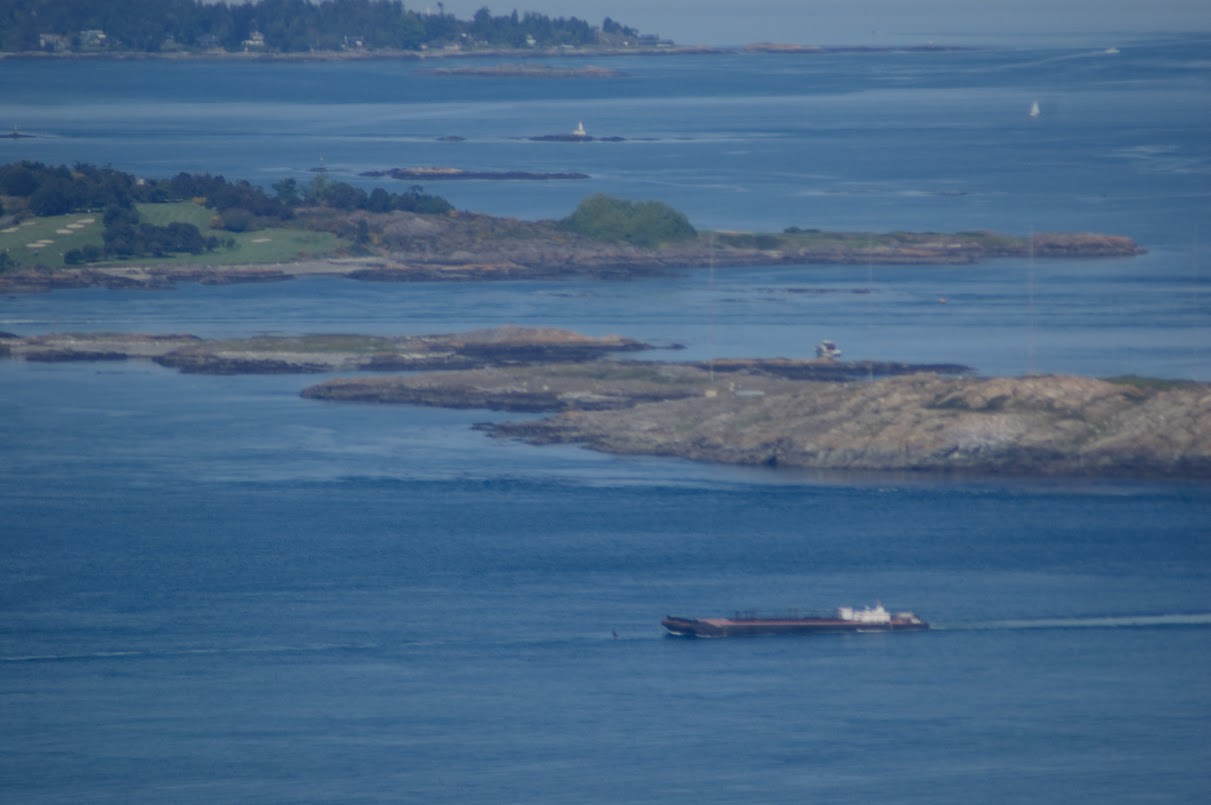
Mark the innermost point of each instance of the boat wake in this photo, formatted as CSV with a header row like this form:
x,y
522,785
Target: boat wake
x,y
1101,622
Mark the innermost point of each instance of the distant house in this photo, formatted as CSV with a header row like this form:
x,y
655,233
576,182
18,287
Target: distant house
x,y
54,43
93,39
208,42
255,41
354,43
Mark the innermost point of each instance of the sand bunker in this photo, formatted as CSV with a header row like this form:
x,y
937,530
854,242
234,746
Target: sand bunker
x,y
64,232
10,229
261,240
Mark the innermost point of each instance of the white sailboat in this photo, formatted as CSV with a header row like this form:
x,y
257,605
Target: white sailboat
x,y
1034,110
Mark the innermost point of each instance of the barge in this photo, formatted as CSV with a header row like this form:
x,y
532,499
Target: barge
x,y
844,620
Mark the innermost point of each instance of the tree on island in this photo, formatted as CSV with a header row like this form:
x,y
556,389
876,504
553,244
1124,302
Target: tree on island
x,y
644,223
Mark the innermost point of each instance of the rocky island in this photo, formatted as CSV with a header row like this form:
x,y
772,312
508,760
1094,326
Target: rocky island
x,y
817,414
478,247
920,422
307,354
214,230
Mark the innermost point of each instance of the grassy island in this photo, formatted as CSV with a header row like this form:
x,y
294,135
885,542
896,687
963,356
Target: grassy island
x,y
70,227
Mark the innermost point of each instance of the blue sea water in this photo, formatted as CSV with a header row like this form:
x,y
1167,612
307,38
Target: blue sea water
x,y
214,590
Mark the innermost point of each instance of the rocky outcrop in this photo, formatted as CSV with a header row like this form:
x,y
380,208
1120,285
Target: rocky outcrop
x,y
1054,425
828,370
601,385
501,346
58,347
762,412
1049,425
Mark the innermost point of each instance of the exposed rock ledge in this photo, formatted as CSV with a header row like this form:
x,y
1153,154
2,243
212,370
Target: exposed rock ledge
x,y
1052,425
500,346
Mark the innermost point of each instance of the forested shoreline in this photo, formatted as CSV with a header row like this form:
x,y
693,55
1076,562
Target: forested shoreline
x,y
284,26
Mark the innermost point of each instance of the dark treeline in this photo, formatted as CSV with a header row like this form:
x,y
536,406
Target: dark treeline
x,y
57,190
125,236
32,188
281,26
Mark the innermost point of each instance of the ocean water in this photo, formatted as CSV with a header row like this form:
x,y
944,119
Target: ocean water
x,y
214,590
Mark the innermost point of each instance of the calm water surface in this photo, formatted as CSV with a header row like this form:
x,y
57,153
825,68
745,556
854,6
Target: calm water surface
x,y
214,590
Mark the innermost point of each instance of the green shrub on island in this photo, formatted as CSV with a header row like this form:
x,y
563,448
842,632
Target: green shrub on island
x,y
643,223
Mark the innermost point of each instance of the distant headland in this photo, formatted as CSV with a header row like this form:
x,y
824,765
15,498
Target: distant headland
x,y
257,30
195,28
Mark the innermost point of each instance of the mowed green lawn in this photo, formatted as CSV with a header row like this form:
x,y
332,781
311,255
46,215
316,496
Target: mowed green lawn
x,y
44,241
